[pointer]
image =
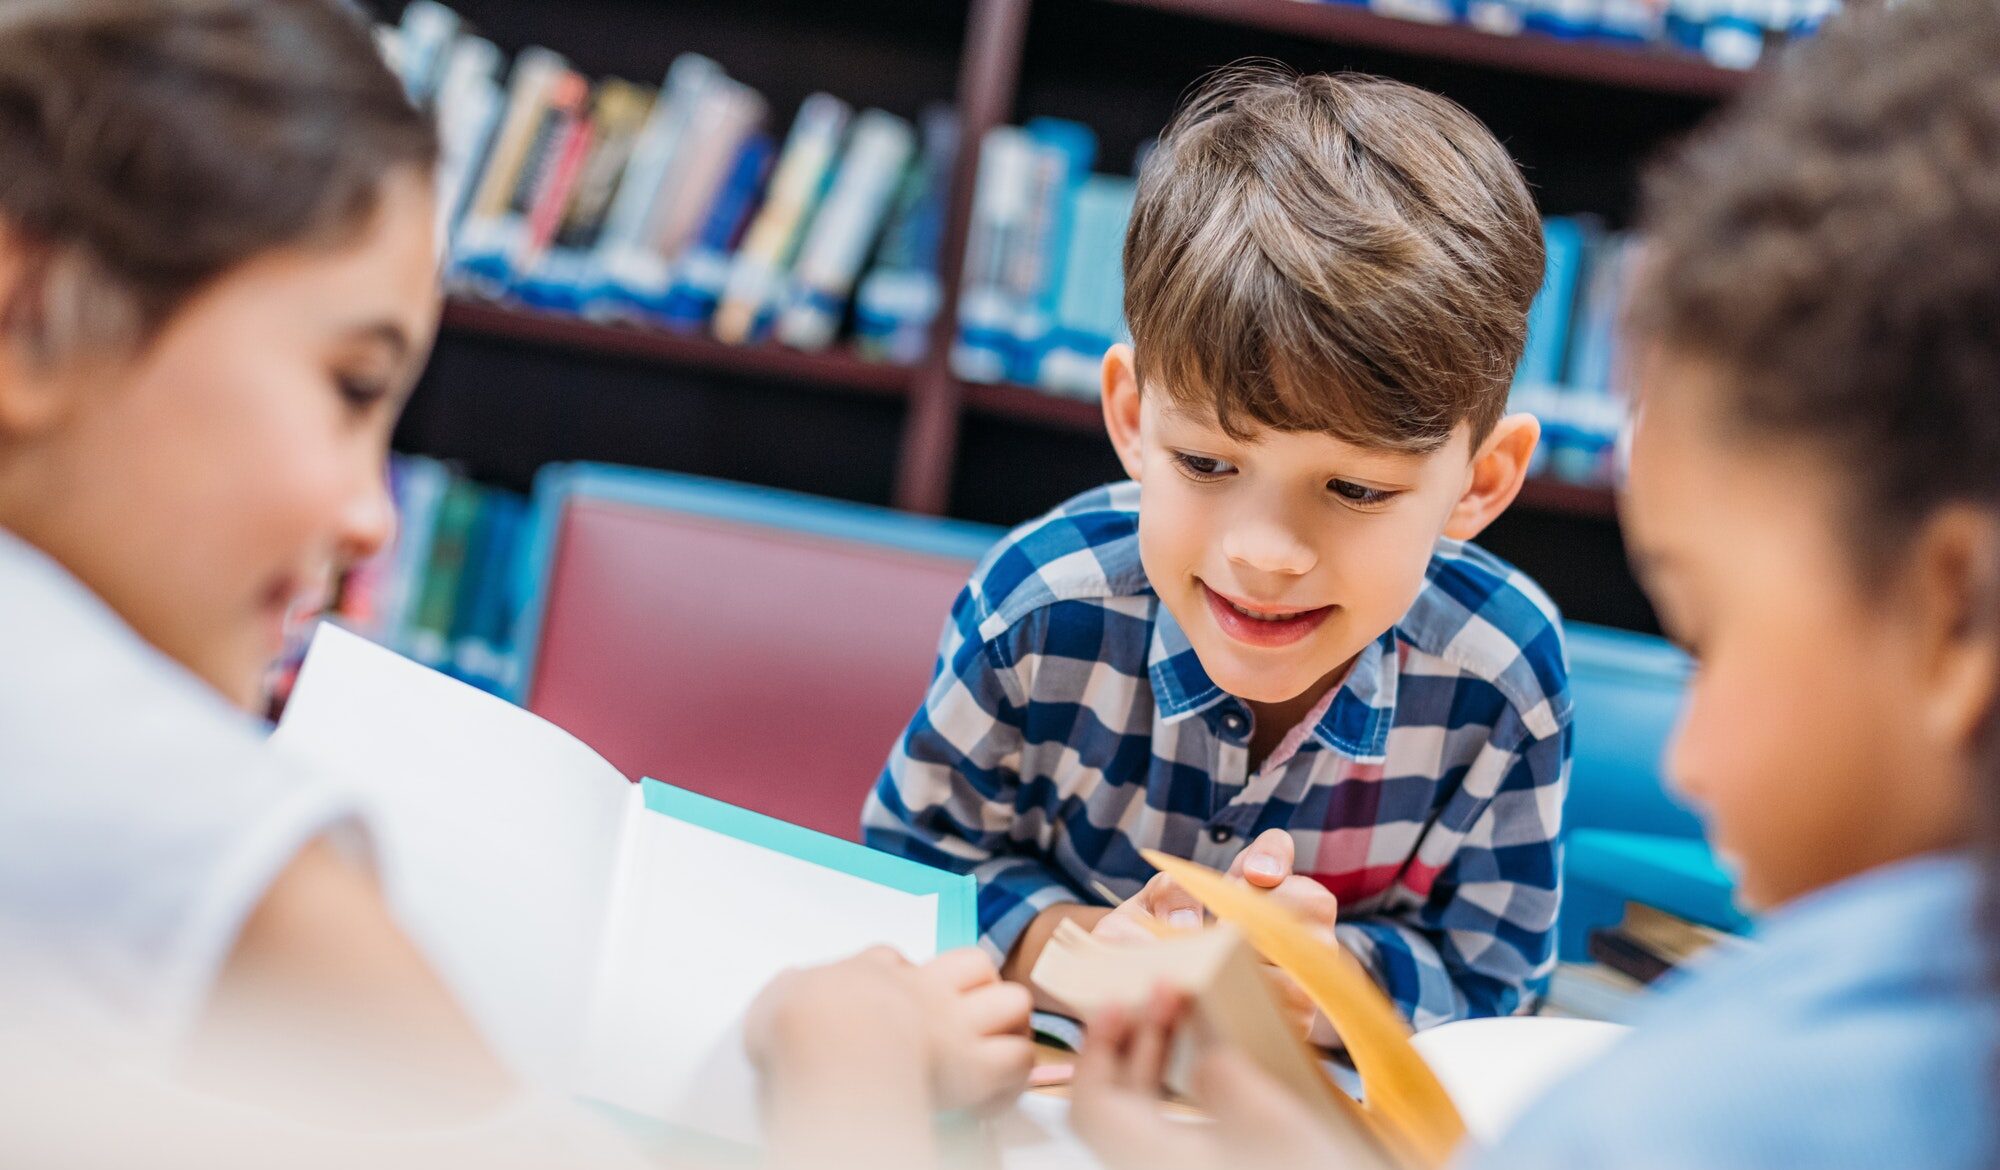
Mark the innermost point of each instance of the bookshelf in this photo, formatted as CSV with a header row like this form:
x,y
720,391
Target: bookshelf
x,y
1580,117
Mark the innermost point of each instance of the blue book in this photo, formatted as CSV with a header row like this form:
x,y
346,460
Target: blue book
x,y
1542,362
1064,152
606,937
701,273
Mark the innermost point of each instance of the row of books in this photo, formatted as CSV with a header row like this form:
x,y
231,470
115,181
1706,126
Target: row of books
x,y
1630,958
1735,34
677,206
1566,373
1042,296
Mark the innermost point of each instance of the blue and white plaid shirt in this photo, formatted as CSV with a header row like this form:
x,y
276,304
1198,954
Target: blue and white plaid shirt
x,y
1069,724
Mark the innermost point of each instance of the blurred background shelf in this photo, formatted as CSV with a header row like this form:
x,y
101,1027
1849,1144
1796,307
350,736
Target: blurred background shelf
x,y
590,339
509,391
1604,63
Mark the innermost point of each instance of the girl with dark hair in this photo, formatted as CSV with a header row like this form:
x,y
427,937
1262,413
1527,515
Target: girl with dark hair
x,y
218,283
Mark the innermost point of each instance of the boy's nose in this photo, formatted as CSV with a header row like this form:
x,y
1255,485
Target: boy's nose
x,y
1268,548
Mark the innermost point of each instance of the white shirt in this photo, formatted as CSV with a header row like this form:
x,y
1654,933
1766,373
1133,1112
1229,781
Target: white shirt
x,y
141,817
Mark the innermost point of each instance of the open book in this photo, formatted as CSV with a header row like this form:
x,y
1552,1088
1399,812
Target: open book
x,y
605,937
1421,1098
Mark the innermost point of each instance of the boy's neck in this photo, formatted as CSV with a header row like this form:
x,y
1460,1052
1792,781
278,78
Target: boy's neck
x,y
1272,722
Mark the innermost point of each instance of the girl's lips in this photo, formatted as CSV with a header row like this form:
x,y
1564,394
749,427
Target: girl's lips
x,y
1258,632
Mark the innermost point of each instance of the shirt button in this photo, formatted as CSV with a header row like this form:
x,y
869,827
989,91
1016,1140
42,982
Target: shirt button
x,y
1221,834
1232,723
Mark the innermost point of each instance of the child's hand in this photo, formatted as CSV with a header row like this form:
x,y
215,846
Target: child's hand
x,y
978,1031
1116,1097
953,1017
1266,865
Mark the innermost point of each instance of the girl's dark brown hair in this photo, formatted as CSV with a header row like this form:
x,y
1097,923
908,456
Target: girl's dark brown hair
x,y
147,147
1832,246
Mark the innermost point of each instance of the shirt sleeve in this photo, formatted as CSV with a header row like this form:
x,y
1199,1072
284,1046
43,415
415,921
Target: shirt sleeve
x,y
1481,940
949,796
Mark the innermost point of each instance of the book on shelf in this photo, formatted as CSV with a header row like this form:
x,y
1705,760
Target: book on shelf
x,y
845,229
898,298
757,271
558,264
631,272
1649,944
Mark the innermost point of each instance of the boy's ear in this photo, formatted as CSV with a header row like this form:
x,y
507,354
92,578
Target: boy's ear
x,y
1499,468
1121,407
1955,564
33,397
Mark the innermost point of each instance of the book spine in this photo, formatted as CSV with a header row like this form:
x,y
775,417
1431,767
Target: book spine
x,y
896,300
987,308
430,633
1089,313
535,72
419,485
468,110
846,227
551,202
427,31
625,260
560,278
772,239
729,113
1064,152
704,269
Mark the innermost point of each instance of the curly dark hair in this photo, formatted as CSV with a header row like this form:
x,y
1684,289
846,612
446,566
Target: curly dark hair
x,y
149,146
1832,246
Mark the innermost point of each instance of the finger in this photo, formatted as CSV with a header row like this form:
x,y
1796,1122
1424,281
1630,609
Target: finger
x,y
1165,900
1123,925
1268,860
998,1009
1241,1096
1000,1069
1297,1005
881,956
963,969
1104,1038
1305,898
1146,1066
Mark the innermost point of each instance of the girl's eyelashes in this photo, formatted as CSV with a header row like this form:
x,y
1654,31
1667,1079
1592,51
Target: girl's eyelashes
x,y
1201,468
1355,493
361,393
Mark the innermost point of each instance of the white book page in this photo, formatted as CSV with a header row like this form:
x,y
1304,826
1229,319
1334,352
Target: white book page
x,y
495,832
700,923
1495,1068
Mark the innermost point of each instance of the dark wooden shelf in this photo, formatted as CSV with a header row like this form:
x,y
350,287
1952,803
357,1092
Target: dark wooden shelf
x,y
1008,400
1575,499
1654,70
832,370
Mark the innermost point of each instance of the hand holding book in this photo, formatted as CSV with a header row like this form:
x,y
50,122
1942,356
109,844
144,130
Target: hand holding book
x,y
1267,866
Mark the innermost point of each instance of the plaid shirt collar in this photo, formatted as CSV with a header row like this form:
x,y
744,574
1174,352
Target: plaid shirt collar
x,y
1355,725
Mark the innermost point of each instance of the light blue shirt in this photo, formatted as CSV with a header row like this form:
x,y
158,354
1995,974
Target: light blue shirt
x,y
1859,1034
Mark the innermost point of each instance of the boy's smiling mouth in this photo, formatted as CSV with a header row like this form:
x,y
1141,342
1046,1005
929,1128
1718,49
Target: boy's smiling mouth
x,y
1263,626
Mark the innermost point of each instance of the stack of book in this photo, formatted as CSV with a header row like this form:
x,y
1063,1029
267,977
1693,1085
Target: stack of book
x,y
1735,34
679,206
1643,949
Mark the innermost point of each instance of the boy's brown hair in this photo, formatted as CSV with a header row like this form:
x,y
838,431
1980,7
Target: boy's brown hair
x,y
147,147
1831,249
1334,253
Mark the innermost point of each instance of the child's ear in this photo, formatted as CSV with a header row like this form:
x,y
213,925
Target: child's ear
x,y
33,396
1499,468
1955,569
1121,407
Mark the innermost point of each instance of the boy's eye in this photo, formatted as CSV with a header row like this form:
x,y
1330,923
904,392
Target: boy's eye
x,y
1201,467
1355,493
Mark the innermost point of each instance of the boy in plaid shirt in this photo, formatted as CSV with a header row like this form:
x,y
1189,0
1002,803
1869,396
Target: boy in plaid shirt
x,y
1272,650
